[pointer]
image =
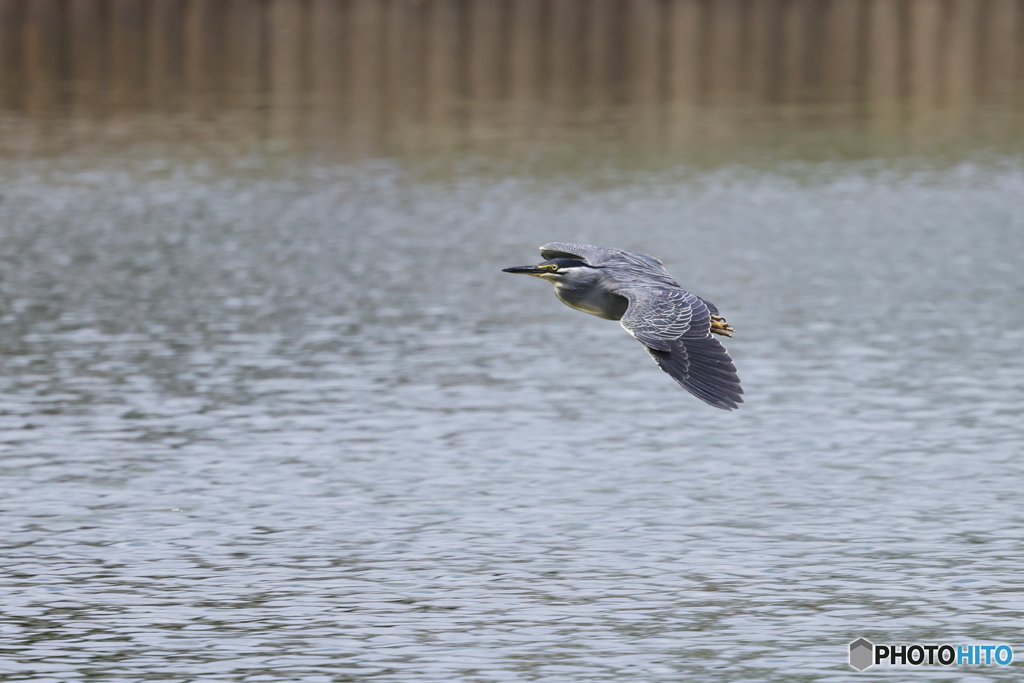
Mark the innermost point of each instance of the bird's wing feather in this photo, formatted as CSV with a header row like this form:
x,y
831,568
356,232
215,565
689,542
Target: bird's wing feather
x,y
711,306
674,327
656,315
702,366
597,256
586,252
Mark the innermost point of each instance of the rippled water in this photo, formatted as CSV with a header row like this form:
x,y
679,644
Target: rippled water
x,y
294,424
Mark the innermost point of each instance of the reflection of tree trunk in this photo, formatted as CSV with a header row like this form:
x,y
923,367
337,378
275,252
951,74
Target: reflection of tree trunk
x,y
643,75
962,51
86,62
883,64
564,59
406,50
205,56
126,54
243,50
525,60
600,16
244,69
962,54
365,106
644,45
684,67
443,73
724,53
794,49
924,76
161,56
197,58
766,20
286,41
11,53
841,41
485,53
41,56
326,66
999,42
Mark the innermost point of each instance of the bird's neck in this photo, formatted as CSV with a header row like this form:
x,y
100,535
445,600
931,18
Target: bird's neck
x,y
593,299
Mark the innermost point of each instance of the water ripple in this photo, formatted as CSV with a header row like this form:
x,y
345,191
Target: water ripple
x,y
302,428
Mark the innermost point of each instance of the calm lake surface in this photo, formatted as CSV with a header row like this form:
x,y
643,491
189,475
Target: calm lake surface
x,y
293,423
269,410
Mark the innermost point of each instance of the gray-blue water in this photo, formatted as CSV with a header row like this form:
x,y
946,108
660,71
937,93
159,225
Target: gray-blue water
x,y
294,424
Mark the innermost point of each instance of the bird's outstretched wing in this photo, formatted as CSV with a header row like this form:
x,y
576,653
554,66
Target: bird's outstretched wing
x,y
597,256
675,328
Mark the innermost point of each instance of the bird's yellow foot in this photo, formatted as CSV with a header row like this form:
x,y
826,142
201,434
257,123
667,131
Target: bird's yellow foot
x,y
720,326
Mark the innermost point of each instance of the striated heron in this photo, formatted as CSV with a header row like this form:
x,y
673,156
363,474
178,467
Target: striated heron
x,y
674,326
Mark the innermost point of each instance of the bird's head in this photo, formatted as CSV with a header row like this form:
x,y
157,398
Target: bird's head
x,y
559,271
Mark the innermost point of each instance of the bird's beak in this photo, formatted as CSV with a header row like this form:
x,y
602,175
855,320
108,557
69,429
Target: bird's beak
x,y
526,270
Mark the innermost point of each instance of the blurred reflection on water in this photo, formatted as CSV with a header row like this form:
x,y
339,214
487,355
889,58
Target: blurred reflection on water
x,y
526,80
270,411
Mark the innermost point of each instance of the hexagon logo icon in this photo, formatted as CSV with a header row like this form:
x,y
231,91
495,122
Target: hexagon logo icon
x,y
862,654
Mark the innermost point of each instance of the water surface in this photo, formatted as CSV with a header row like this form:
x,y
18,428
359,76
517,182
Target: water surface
x,y
289,421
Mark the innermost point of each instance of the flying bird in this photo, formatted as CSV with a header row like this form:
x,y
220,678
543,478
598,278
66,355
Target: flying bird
x,y
676,327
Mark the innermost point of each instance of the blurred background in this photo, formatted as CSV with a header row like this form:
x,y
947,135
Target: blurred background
x,y
270,410
676,80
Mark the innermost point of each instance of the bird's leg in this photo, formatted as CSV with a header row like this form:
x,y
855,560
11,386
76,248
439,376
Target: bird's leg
x,y
720,326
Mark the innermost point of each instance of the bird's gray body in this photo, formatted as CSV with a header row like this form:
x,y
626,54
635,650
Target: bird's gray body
x,y
673,325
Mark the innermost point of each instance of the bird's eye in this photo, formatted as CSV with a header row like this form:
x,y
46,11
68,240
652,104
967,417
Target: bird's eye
x,y
553,267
